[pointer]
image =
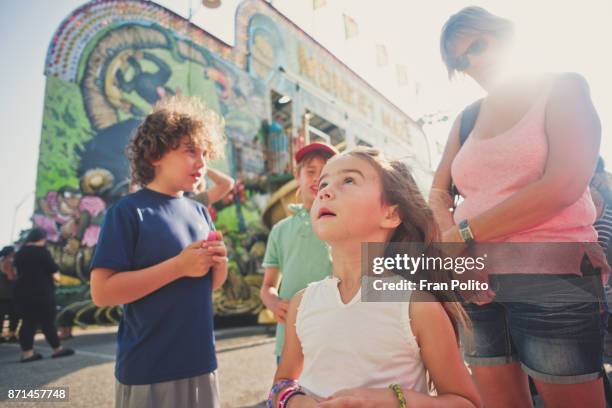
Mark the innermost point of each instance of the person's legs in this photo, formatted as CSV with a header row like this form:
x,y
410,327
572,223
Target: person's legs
x,y
13,318
490,353
28,329
4,310
46,311
502,386
65,321
588,394
560,346
65,332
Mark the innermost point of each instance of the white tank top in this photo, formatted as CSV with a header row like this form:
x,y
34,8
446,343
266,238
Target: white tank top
x,y
358,344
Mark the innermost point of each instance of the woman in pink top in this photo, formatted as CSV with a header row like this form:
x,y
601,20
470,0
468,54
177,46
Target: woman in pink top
x,y
524,174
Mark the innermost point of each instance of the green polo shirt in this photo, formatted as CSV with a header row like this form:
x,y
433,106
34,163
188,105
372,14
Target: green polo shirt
x,y
299,255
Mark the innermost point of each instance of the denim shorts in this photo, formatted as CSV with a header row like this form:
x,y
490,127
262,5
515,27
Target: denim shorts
x,y
551,324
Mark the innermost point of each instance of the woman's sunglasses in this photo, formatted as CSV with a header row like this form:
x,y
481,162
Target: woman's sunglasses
x,y
477,47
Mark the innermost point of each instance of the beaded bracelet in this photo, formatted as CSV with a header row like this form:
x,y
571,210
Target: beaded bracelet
x,y
399,394
289,393
276,388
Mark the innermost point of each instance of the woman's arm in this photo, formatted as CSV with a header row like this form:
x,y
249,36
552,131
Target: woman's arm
x,y
440,199
574,131
292,358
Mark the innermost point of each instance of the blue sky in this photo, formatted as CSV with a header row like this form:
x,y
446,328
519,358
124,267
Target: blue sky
x,y
553,36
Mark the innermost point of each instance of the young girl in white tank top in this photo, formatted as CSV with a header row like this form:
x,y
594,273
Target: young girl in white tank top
x,y
340,351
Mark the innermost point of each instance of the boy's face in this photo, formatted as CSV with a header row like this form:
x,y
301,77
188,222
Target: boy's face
x,y
182,168
308,179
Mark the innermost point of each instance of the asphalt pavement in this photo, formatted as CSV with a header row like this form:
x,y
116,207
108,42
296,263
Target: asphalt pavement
x,y
245,356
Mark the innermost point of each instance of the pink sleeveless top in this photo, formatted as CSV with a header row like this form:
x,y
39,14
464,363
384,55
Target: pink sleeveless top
x,y
488,171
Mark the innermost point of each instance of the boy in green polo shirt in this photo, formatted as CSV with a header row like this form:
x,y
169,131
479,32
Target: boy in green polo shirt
x,y
293,250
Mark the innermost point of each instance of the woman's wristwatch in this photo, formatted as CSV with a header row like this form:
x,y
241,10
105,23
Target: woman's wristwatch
x,y
466,233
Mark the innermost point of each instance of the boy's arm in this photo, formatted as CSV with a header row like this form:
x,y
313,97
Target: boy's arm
x,y
219,269
217,249
223,185
269,294
109,288
219,275
272,263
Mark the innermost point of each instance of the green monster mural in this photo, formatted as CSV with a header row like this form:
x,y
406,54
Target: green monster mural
x,y
108,63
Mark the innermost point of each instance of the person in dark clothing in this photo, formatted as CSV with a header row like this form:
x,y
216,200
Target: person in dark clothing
x,y
7,302
34,293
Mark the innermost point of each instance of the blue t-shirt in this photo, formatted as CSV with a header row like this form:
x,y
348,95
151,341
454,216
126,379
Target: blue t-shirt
x,y
168,334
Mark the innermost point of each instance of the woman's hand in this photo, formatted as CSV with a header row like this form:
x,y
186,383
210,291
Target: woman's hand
x,y
361,397
482,298
452,235
457,247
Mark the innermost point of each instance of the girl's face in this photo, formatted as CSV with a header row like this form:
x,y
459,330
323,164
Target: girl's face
x,y
349,205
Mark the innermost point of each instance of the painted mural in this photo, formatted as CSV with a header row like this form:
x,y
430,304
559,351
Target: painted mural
x,y
104,72
111,60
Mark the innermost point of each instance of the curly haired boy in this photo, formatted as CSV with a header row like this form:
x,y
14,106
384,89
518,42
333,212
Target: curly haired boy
x,y
153,257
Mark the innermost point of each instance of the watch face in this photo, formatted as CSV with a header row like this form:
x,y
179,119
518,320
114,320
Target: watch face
x,y
465,232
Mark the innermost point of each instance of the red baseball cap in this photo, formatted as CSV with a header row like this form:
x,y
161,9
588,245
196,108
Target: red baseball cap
x,y
313,147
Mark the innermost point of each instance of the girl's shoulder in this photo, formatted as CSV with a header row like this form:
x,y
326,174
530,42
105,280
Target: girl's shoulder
x,y
302,294
315,287
315,295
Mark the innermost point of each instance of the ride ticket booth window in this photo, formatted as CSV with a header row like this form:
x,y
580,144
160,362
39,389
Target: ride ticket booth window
x,y
322,130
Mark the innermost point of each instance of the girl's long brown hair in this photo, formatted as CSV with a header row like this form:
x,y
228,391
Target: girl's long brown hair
x,y
418,225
